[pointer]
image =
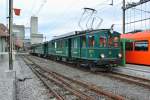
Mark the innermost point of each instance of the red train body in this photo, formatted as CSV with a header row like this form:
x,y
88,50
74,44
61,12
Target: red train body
x,y
138,51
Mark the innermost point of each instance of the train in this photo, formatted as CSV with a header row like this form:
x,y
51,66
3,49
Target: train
x,y
100,48
138,49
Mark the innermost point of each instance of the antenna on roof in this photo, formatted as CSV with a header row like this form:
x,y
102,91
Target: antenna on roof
x,y
112,28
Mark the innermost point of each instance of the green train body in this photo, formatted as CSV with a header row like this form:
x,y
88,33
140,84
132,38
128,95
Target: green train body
x,y
96,47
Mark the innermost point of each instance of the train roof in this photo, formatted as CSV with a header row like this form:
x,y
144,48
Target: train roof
x,y
79,33
138,35
66,35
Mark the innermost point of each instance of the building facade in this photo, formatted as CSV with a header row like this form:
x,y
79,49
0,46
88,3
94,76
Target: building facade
x,y
34,36
3,38
18,36
34,25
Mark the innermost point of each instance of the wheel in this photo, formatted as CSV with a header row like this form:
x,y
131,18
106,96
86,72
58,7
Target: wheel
x,y
92,67
78,64
108,68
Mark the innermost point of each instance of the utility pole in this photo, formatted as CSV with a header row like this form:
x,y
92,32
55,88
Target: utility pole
x,y
123,30
10,34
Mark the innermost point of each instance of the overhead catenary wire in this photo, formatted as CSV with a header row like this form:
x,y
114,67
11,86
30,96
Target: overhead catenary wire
x,y
40,7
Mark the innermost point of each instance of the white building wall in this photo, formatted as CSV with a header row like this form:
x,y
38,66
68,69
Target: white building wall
x,y
34,25
36,38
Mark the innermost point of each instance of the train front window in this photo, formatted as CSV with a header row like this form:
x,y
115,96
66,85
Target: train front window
x,y
91,41
110,42
102,42
113,42
141,45
116,41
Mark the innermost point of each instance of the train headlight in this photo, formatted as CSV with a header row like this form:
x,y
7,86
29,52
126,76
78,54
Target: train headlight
x,y
102,55
119,55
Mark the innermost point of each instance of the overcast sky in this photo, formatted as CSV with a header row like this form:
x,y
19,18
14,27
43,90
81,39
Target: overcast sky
x,y
61,16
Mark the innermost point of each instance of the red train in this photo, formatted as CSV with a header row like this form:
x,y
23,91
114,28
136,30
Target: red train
x,y
138,51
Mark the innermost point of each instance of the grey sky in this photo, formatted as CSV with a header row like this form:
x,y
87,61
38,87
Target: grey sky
x,y
62,16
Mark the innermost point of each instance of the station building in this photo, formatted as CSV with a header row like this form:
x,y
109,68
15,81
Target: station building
x,y
3,38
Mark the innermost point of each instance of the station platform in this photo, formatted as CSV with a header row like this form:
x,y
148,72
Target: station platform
x,y
7,79
136,70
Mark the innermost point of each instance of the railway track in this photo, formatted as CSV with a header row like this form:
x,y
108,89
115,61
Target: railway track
x,y
121,76
69,88
130,79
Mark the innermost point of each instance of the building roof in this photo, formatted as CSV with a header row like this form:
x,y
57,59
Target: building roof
x,y
3,30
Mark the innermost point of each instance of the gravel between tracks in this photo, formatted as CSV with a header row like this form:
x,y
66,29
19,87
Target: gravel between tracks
x,y
31,88
130,91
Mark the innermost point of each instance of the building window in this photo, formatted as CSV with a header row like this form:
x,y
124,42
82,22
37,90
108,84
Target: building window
x,y
129,46
91,41
141,45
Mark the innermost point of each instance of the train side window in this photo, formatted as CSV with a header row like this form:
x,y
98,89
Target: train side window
x,y
74,43
83,41
129,46
55,44
141,45
102,41
91,41
63,44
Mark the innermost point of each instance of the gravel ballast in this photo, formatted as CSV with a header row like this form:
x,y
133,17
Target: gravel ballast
x,y
29,87
130,91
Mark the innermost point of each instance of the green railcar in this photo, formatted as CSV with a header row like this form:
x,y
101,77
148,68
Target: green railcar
x,y
98,46
37,49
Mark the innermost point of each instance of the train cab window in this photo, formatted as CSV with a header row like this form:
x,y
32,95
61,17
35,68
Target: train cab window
x,y
110,41
91,41
141,45
83,41
102,42
129,46
116,41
